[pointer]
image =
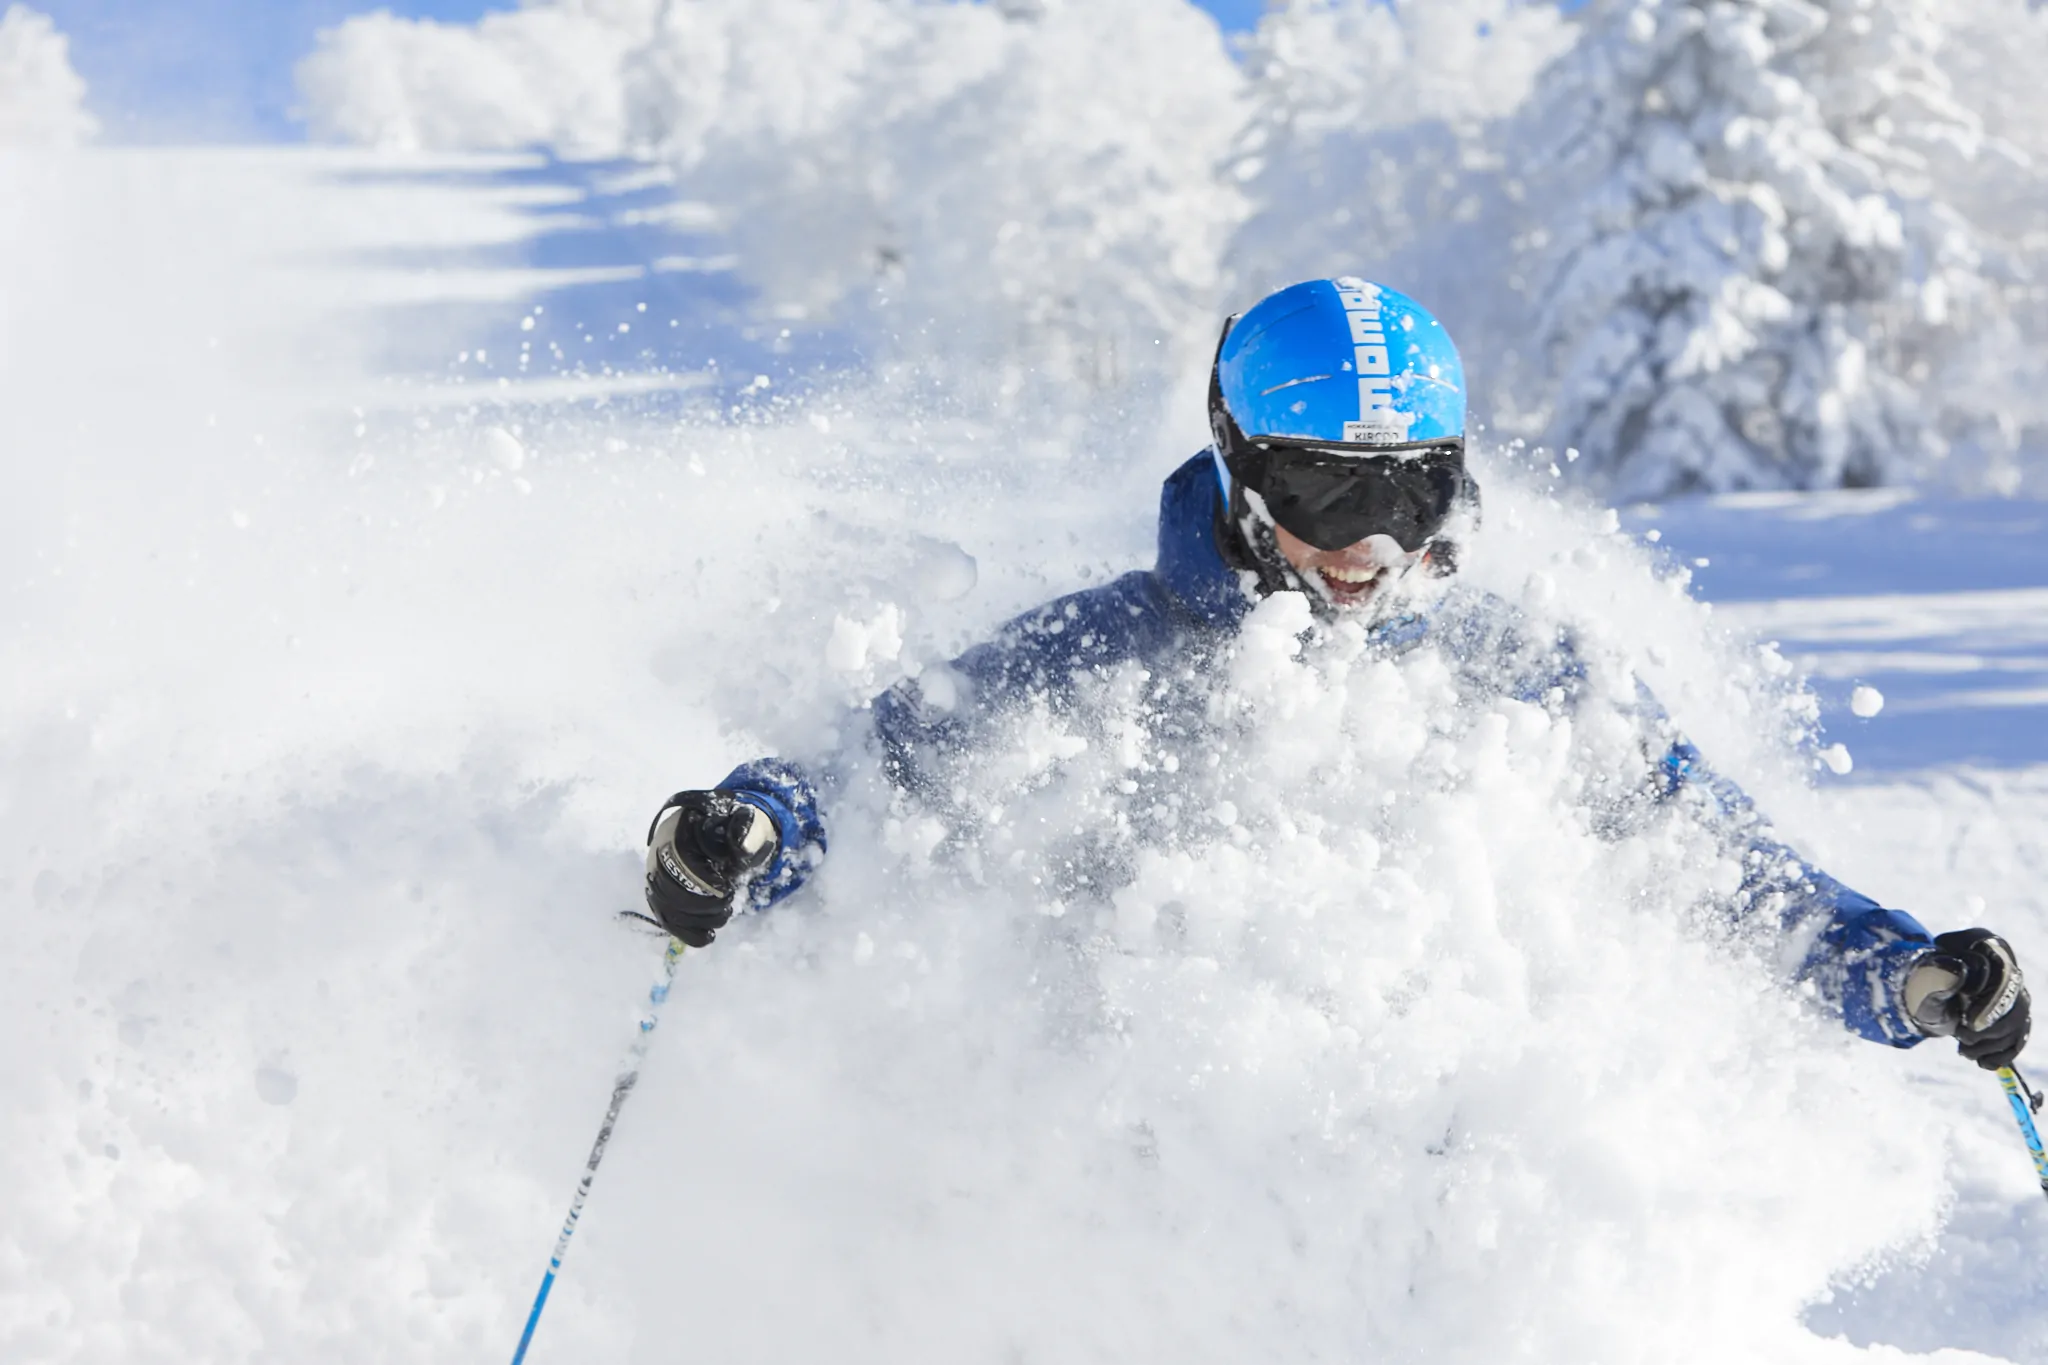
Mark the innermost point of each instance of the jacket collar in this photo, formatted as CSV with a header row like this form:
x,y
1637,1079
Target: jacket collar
x,y
1191,566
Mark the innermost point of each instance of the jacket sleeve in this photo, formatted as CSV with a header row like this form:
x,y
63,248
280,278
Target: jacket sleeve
x,y
921,724
785,791
1855,952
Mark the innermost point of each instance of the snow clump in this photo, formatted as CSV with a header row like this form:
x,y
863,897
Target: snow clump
x,y
1303,972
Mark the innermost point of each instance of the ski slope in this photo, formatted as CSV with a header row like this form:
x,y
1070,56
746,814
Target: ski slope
x,y
347,655
1938,604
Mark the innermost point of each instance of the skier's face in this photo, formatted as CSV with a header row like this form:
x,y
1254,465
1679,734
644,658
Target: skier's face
x,y
1352,576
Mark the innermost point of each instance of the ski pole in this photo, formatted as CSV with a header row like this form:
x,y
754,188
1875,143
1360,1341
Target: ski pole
x,y
2025,1101
621,1088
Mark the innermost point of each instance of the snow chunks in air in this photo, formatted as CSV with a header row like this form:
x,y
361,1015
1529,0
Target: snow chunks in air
x,y
1410,1030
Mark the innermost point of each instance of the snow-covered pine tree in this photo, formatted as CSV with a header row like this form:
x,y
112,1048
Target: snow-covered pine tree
x,y
1996,51
1746,282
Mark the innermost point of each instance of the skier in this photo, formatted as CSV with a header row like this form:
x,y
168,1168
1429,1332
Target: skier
x,y
1337,471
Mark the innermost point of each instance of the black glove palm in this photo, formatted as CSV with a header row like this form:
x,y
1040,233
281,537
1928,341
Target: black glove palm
x,y
1970,987
701,848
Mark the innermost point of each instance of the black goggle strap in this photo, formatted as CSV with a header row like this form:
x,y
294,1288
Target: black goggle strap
x,y
1222,427
1336,453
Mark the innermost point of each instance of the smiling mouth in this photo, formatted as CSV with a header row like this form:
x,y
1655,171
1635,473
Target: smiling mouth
x,y
1348,585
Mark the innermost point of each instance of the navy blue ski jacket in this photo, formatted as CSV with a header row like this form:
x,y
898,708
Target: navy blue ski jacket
x,y
1192,600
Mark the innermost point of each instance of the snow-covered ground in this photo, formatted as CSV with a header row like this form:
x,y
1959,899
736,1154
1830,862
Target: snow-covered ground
x,y
1939,604
353,628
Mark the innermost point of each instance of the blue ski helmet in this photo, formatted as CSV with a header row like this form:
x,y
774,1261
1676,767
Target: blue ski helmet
x,y
1341,404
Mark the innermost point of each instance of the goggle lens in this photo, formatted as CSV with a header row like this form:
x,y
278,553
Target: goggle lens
x,y
1332,498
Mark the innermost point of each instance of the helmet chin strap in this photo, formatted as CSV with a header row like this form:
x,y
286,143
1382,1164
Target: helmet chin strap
x,y
1256,533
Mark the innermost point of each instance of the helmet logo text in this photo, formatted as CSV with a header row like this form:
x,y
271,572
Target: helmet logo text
x,y
1378,422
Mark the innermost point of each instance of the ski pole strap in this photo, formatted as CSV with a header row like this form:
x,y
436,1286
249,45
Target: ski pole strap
x,y
628,1076
2024,1102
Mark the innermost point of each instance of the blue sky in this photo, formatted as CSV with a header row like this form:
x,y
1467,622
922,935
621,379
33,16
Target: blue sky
x,y
207,70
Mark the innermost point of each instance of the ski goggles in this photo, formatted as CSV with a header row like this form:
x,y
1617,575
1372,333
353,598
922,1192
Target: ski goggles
x,y
1333,496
